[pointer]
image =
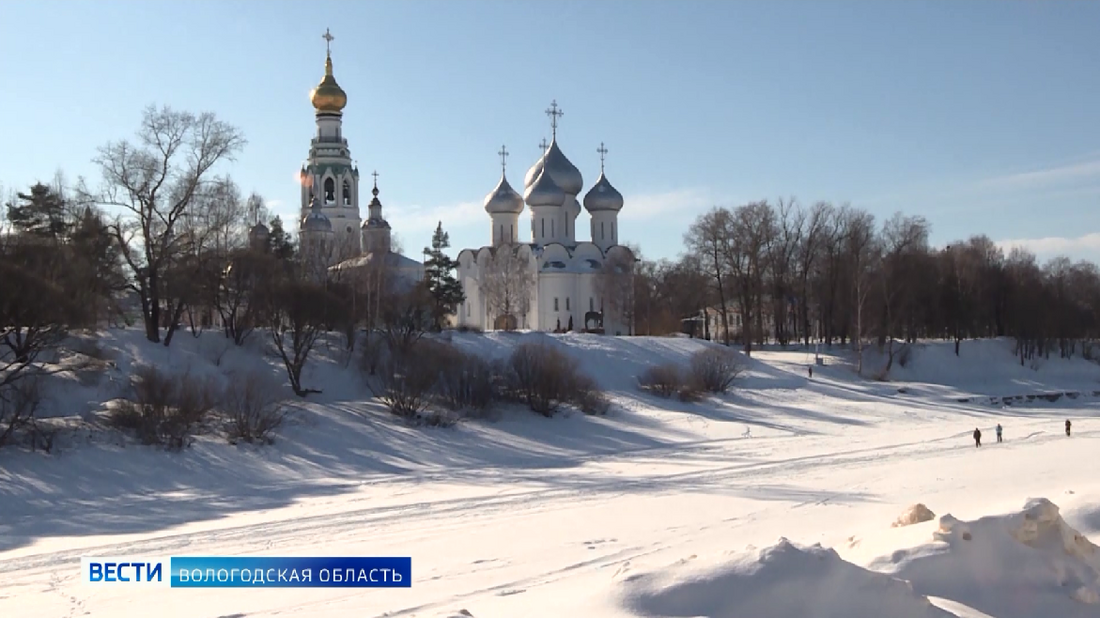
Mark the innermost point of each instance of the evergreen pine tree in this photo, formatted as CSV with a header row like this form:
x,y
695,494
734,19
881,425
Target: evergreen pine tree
x,y
41,213
278,240
445,289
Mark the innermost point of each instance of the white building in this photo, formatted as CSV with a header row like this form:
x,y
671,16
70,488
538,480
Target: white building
x,y
569,284
331,234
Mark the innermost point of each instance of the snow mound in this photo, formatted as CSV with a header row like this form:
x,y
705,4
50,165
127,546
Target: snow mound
x,y
782,581
1023,564
915,514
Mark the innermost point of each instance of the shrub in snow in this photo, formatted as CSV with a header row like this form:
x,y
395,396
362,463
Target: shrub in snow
x,y
254,408
588,397
544,378
662,380
714,370
466,381
164,410
404,379
19,401
915,514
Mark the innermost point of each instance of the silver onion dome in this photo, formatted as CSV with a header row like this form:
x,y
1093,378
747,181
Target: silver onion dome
x,y
503,199
562,170
603,196
544,192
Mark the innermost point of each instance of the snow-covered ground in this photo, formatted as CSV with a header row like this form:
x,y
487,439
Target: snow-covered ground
x,y
777,499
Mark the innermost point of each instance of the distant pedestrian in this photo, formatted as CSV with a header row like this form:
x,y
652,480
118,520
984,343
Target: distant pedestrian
x,y
977,437
998,432
811,368
1068,424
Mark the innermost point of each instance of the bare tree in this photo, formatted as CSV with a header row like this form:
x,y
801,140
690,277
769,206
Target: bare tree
x,y
904,241
709,241
156,182
753,232
615,285
507,284
862,252
298,313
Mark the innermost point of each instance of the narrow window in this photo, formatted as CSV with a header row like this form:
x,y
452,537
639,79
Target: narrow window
x,y
555,304
552,232
567,304
591,304
602,231
502,232
512,232
347,193
543,227
330,190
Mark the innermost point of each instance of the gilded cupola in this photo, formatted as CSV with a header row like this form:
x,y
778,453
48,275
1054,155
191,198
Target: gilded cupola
x,y
328,96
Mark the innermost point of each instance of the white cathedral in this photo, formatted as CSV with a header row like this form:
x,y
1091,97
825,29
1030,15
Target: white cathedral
x,y
567,290
330,235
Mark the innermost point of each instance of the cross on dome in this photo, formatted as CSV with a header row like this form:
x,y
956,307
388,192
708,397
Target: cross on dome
x,y
554,114
503,156
603,153
375,189
543,144
327,36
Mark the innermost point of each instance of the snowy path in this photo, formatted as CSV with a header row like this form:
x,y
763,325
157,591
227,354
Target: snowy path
x,y
551,542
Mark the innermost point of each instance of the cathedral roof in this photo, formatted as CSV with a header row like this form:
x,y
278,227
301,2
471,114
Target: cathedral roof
x,y
603,196
503,199
562,170
544,191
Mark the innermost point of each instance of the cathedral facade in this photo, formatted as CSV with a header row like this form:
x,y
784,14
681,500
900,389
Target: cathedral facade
x,y
332,235
554,281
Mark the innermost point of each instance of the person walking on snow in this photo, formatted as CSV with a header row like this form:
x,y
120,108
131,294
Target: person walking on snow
x,y
998,432
1067,427
977,437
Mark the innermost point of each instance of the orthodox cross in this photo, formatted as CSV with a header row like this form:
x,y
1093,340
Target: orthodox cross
x,y
328,41
503,156
554,114
375,174
603,153
543,144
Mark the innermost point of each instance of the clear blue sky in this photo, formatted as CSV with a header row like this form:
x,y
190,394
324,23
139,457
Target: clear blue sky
x,y
981,116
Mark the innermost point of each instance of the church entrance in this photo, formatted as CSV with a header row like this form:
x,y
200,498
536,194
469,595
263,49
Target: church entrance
x,y
505,322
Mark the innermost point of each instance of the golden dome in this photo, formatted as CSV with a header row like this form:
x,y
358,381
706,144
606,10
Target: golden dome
x,y
328,96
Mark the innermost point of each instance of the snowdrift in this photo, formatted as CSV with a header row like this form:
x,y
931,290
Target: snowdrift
x,y
782,581
986,367
1020,565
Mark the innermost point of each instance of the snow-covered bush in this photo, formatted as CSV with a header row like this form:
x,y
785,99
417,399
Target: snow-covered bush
x,y
714,370
164,410
254,408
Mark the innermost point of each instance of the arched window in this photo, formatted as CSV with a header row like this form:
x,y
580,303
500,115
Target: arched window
x,y
330,190
347,193
602,231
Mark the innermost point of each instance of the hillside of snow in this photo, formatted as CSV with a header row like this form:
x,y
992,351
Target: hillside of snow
x,y
658,508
